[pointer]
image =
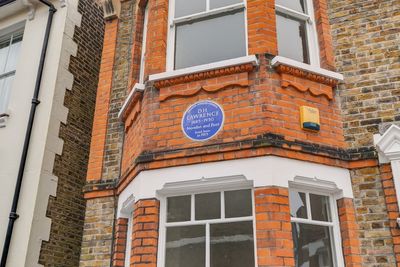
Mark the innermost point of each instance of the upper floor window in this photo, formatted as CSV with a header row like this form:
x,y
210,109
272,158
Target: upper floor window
x,y
297,37
314,228
205,31
208,230
10,45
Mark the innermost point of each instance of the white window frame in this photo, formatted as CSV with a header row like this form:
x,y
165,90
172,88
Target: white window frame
x,y
311,29
164,224
336,241
16,30
172,21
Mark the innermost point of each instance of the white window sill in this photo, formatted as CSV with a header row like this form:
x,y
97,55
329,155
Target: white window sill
x,y
278,60
138,87
206,67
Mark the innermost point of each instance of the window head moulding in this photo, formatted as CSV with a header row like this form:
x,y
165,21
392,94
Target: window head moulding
x,y
301,182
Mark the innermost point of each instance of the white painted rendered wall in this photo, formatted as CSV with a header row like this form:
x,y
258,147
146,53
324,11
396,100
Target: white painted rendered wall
x,y
32,226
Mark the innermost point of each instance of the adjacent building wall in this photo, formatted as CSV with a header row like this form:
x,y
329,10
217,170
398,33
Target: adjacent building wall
x,y
366,42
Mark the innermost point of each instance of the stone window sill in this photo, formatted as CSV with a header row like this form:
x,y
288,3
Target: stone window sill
x,y
204,71
296,68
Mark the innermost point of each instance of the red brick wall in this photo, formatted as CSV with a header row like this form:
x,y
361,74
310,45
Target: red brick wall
x,y
392,207
349,233
121,230
102,102
145,233
273,227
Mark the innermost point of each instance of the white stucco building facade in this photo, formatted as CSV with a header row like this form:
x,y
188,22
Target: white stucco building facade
x,y
27,19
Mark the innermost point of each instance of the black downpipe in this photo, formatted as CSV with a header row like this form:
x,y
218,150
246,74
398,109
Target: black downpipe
x,y
35,102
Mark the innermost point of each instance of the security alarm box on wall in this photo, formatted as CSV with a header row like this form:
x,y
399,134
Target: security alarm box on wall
x,y
309,118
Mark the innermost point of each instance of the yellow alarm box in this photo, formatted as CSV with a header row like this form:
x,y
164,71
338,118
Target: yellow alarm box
x,y
309,118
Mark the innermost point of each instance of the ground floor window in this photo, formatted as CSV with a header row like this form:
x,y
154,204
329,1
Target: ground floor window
x,y
314,228
209,230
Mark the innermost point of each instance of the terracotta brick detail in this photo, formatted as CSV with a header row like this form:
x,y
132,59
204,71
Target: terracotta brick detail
x,y
102,102
121,231
392,207
349,233
273,227
145,233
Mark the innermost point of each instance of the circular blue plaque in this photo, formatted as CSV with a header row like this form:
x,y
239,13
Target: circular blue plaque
x,y
202,120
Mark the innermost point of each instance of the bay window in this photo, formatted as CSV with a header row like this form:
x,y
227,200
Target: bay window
x,y
314,229
10,45
205,31
296,31
209,230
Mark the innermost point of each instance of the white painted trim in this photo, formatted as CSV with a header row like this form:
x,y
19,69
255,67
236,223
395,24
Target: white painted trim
x,y
205,185
128,245
301,182
261,171
206,67
292,13
144,45
138,87
278,60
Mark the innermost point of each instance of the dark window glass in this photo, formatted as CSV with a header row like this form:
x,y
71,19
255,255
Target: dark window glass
x,y
231,244
320,208
238,203
178,209
185,246
297,5
292,40
208,206
210,40
298,207
312,245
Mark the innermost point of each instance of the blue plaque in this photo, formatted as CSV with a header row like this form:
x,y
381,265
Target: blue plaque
x,y
202,120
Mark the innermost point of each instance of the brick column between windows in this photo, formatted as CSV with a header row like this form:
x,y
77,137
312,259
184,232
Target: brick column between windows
x,y
273,227
392,207
121,231
145,233
349,232
95,164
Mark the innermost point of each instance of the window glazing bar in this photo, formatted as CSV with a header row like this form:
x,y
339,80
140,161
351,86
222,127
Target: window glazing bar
x,y
292,13
202,222
318,223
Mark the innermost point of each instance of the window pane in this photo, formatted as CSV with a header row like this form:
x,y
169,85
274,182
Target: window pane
x,y
5,90
222,3
188,7
210,40
312,245
297,5
208,206
185,246
231,244
292,41
298,207
178,209
320,208
238,203
14,52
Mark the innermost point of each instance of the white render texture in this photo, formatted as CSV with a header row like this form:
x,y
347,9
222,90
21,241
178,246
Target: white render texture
x,y
39,182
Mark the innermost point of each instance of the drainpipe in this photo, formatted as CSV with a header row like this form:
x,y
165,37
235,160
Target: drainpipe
x,y
35,102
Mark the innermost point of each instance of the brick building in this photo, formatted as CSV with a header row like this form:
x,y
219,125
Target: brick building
x,y
50,53
245,133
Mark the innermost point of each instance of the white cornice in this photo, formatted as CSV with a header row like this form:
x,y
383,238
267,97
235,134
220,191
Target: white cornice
x,y
388,145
